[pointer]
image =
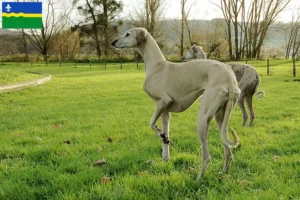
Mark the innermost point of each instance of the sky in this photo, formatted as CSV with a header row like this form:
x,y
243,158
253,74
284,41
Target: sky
x,y
203,9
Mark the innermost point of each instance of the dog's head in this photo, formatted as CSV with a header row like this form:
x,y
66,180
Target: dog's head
x,y
191,53
132,38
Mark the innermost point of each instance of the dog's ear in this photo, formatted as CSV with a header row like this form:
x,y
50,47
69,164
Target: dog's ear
x,y
194,48
140,37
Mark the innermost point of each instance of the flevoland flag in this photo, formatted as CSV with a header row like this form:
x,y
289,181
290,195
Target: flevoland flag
x,y
22,15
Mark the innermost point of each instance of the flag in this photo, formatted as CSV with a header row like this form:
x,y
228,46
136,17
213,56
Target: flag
x,y
22,15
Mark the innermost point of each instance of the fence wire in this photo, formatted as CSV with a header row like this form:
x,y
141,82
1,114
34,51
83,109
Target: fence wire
x,y
271,67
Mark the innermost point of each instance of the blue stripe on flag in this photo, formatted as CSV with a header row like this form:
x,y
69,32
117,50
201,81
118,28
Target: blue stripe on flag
x,y
25,7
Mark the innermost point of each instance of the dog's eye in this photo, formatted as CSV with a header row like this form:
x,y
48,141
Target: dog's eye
x,y
127,34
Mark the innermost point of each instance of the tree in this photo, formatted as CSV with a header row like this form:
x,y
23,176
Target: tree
x,y
253,26
231,10
214,39
100,13
189,28
66,44
24,43
151,10
183,21
43,39
180,30
292,34
261,15
149,16
226,9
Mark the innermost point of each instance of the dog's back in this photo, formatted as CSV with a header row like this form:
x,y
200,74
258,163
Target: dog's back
x,y
240,70
247,76
197,74
206,70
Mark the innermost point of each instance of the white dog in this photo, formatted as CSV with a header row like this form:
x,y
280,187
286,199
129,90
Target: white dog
x,y
175,86
195,52
247,77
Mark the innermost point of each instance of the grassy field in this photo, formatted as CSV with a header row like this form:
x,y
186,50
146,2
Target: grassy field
x,y
52,134
9,75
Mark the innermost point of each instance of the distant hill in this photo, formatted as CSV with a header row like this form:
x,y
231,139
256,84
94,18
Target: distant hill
x,y
274,39
8,32
169,36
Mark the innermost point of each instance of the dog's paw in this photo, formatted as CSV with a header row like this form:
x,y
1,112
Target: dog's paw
x,y
166,140
166,159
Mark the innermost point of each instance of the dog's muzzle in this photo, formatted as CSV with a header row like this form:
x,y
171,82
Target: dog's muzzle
x,y
114,42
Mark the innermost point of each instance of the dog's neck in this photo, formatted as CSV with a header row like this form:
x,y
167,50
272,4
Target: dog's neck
x,y
199,55
151,53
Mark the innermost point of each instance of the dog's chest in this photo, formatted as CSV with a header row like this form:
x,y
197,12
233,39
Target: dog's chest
x,y
155,91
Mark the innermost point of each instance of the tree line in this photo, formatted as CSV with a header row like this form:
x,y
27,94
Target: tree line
x,y
87,27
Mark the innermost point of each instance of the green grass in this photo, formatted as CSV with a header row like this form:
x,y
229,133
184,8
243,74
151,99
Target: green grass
x,y
52,134
276,67
9,76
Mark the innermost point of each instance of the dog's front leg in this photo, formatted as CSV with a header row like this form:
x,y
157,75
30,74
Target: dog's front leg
x,y
161,108
165,117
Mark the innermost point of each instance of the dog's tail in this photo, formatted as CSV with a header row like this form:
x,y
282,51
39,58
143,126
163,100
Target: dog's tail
x,y
260,94
224,129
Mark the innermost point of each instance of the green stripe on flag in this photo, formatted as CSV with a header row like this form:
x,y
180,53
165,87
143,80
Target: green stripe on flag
x,y
21,22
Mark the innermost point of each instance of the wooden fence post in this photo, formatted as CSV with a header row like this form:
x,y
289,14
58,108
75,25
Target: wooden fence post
x,y
121,64
268,66
294,67
137,61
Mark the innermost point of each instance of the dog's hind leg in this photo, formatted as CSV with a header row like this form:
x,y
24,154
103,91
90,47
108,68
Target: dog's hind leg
x,y
165,117
241,104
211,101
250,106
228,154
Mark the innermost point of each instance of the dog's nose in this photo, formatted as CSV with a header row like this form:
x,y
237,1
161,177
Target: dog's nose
x,y
114,42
